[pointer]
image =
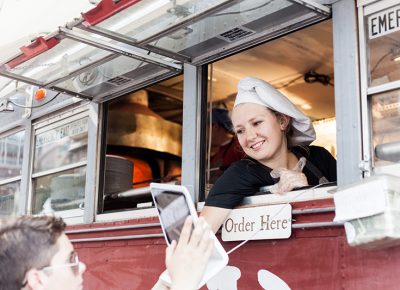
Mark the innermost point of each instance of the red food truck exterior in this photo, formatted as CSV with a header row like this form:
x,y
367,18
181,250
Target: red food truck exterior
x,y
105,126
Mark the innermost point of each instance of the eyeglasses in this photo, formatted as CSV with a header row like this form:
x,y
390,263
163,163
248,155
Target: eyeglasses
x,y
74,264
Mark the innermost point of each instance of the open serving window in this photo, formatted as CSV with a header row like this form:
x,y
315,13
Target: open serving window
x,y
124,45
379,33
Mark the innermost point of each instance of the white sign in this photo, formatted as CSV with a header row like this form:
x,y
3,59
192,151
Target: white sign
x,y
258,223
69,130
384,22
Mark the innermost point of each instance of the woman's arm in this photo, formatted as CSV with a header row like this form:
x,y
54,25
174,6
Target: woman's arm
x,y
215,216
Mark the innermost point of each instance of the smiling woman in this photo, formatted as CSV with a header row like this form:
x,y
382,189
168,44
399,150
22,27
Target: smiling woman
x,y
275,136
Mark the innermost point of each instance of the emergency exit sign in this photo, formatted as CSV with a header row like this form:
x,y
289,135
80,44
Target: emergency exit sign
x,y
258,223
384,22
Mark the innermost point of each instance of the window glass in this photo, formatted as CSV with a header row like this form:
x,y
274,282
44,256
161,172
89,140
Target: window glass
x,y
385,110
383,46
144,144
59,191
62,145
8,194
11,154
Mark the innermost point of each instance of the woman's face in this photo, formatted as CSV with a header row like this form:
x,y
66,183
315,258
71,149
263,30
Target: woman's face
x,y
260,132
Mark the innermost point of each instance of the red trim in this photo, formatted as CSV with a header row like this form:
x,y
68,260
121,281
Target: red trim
x,y
37,47
105,9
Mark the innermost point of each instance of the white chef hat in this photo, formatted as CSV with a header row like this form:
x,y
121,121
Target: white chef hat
x,y
253,90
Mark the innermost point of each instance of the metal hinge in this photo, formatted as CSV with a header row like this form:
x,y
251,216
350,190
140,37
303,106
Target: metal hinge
x,y
365,167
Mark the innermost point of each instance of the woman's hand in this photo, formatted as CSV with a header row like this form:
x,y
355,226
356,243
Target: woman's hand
x,y
289,179
186,260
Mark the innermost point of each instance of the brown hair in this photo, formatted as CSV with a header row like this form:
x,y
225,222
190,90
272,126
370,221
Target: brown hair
x,y
25,243
289,127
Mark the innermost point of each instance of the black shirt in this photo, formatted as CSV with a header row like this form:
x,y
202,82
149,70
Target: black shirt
x,y
245,177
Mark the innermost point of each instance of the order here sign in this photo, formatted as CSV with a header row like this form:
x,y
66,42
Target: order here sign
x,y
384,22
258,223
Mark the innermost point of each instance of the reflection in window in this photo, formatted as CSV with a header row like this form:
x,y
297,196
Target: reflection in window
x,y
60,191
11,154
63,145
8,194
198,37
383,57
385,110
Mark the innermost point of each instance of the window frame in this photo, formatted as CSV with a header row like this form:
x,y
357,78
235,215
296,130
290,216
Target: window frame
x,y
367,164
58,119
19,177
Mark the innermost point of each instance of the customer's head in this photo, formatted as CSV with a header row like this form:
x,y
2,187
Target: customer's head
x,y
266,121
221,126
36,254
221,117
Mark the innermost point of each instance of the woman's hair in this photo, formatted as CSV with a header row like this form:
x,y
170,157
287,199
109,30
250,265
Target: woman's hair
x,y
25,243
289,128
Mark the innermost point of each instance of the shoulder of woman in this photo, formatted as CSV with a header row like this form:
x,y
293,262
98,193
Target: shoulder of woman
x,y
321,155
310,152
246,171
318,150
300,150
248,162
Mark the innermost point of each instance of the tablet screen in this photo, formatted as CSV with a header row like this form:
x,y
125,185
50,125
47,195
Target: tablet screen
x,y
173,210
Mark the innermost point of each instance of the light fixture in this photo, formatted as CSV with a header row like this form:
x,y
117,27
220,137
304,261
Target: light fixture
x,y
306,106
314,77
40,94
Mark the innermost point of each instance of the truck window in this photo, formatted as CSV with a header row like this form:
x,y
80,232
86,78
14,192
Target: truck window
x,y
300,65
383,74
143,145
59,165
11,155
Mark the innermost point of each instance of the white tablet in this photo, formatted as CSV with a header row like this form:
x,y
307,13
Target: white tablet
x,y
174,204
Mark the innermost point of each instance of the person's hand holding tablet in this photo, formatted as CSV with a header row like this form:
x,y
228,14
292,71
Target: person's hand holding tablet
x,y
186,260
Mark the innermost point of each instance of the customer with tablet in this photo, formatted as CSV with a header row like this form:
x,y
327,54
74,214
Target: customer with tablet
x,y
36,254
174,205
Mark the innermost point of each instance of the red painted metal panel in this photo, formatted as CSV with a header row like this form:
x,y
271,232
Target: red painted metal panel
x,y
305,263
37,47
370,269
123,265
312,259
105,9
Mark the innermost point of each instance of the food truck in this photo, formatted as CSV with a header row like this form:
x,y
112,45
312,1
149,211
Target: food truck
x,y
120,96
